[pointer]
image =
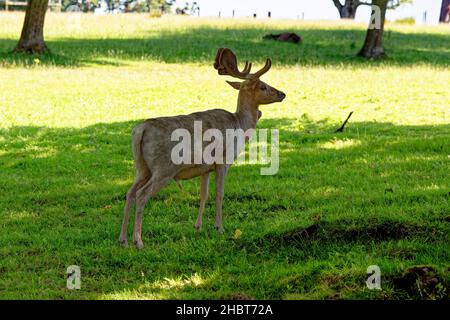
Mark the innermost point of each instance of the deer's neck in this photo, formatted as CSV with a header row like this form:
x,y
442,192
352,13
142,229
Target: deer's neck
x,y
247,112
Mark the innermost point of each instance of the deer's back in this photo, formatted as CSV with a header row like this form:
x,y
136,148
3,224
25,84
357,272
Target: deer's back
x,y
157,144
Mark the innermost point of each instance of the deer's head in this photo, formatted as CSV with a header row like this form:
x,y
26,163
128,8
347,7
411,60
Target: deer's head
x,y
252,89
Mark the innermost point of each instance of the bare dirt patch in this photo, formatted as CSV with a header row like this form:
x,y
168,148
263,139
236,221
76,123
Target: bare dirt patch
x,y
421,283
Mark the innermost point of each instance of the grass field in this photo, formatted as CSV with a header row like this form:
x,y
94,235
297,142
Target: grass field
x,y
377,194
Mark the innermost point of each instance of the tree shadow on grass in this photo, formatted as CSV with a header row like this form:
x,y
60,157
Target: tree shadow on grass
x,y
102,153
321,47
62,194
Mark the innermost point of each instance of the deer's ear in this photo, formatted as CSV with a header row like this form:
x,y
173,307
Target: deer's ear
x,y
236,85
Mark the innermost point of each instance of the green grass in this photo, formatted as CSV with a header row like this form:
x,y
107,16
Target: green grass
x,y
377,194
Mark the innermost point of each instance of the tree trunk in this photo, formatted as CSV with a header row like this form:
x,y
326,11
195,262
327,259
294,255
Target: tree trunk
x,y
32,37
348,9
445,12
373,44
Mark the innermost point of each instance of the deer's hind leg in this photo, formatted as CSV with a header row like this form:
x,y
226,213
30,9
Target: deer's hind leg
x,y
221,172
204,181
152,186
141,179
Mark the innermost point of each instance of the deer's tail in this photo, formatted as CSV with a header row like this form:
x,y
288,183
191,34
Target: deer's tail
x,y
136,141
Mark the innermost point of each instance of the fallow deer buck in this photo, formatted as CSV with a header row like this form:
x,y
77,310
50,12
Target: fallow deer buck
x,y
153,145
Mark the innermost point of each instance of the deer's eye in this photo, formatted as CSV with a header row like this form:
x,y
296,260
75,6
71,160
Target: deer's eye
x,y
263,88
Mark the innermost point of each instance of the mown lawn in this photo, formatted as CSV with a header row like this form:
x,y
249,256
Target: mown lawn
x,y
377,194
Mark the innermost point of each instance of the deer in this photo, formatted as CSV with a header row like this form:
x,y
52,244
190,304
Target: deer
x,y
152,144
286,37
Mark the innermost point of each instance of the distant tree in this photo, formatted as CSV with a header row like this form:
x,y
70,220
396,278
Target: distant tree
x,y
445,12
191,8
160,5
32,36
373,44
83,5
195,8
347,9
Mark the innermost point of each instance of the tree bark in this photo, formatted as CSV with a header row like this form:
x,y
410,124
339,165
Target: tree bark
x,y
373,44
444,17
348,9
32,36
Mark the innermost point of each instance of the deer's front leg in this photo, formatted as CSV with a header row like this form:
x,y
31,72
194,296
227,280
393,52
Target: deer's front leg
x,y
221,171
204,182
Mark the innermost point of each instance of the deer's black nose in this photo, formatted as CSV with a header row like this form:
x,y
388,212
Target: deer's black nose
x,y
283,95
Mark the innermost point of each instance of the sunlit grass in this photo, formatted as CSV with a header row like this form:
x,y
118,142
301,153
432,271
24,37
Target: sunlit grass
x,y
340,144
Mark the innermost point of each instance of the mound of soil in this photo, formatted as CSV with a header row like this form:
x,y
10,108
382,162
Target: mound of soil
x,y
421,282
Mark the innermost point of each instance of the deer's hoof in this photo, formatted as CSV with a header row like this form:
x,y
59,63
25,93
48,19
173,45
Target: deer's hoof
x,y
220,229
139,244
198,227
123,242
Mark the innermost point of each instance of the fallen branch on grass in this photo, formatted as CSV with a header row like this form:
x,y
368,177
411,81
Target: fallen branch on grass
x,y
341,129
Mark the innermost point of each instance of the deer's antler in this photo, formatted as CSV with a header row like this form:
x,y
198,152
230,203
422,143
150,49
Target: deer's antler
x,y
226,64
263,70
